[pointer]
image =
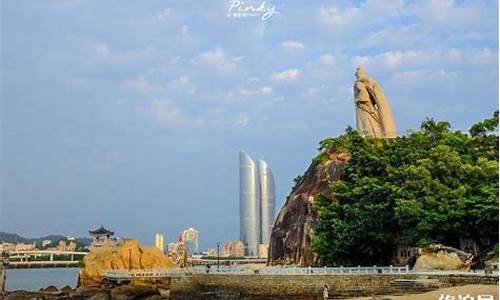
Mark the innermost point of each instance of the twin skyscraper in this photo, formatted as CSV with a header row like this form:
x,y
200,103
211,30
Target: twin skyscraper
x,y
257,203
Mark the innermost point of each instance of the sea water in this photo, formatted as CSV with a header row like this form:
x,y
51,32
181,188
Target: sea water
x,y
35,279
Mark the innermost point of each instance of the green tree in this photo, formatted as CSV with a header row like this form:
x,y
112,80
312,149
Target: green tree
x,y
434,185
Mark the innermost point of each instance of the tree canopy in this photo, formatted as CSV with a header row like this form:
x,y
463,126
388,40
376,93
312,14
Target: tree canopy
x,y
433,185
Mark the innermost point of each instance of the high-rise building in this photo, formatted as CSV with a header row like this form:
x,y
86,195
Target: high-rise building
x,y
257,203
263,250
233,249
160,241
190,239
249,205
65,245
267,201
211,252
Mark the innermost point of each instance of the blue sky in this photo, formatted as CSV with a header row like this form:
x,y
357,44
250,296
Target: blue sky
x,y
131,114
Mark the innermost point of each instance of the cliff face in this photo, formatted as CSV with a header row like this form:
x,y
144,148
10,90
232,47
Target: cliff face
x,y
293,230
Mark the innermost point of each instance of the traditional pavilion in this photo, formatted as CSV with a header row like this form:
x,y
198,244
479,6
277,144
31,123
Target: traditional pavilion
x,y
102,237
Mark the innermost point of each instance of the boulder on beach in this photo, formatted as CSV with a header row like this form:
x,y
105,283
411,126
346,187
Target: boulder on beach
x,y
129,254
132,292
99,296
50,289
491,264
442,258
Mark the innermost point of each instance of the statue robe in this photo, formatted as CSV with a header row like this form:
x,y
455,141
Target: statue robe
x,y
373,115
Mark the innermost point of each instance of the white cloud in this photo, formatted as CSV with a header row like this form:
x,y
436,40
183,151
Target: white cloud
x,y
255,91
287,75
164,111
174,60
385,23
391,60
394,59
246,92
182,83
103,54
140,84
312,91
266,89
292,45
102,50
327,59
420,75
219,60
398,37
352,18
449,13
455,54
322,68
484,56
242,120
164,14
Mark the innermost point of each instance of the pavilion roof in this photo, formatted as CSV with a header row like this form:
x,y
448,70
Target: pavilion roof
x,y
101,230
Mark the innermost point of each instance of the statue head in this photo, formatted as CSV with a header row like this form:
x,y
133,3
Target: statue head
x,y
360,73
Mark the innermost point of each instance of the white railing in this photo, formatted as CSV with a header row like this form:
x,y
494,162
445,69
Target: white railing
x,y
335,270
241,270
150,273
45,252
229,270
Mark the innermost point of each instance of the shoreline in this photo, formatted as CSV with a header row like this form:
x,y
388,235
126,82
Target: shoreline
x,y
348,286
147,293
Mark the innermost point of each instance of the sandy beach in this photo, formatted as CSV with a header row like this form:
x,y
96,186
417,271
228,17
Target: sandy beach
x,y
471,290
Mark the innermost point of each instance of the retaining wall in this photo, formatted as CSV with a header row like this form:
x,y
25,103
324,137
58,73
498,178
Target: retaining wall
x,y
311,285
463,279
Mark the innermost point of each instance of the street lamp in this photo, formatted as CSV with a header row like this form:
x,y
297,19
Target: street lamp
x,y
218,255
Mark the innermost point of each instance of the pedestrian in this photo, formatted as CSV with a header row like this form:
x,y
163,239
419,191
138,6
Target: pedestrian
x,y
325,292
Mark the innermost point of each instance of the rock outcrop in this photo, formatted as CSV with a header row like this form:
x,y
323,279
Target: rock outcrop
x,y
293,230
491,264
444,258
121,292
128,255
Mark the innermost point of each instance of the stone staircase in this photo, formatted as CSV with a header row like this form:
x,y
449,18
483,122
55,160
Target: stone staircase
x,y
419,285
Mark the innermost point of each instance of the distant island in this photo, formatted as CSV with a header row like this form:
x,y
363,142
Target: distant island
x,y
14,238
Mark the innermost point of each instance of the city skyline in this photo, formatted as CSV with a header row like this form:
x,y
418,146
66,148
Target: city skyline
x,y
257,203
118,109
190,238
159,242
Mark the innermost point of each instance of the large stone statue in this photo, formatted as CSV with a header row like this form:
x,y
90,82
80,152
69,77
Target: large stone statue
x,y
373,114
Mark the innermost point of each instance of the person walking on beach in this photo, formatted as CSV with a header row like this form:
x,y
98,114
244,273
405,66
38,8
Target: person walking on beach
x,y
325,292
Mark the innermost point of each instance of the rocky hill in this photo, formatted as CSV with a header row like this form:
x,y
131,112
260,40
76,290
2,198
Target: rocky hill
x,y
15,238
385,197
293,230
